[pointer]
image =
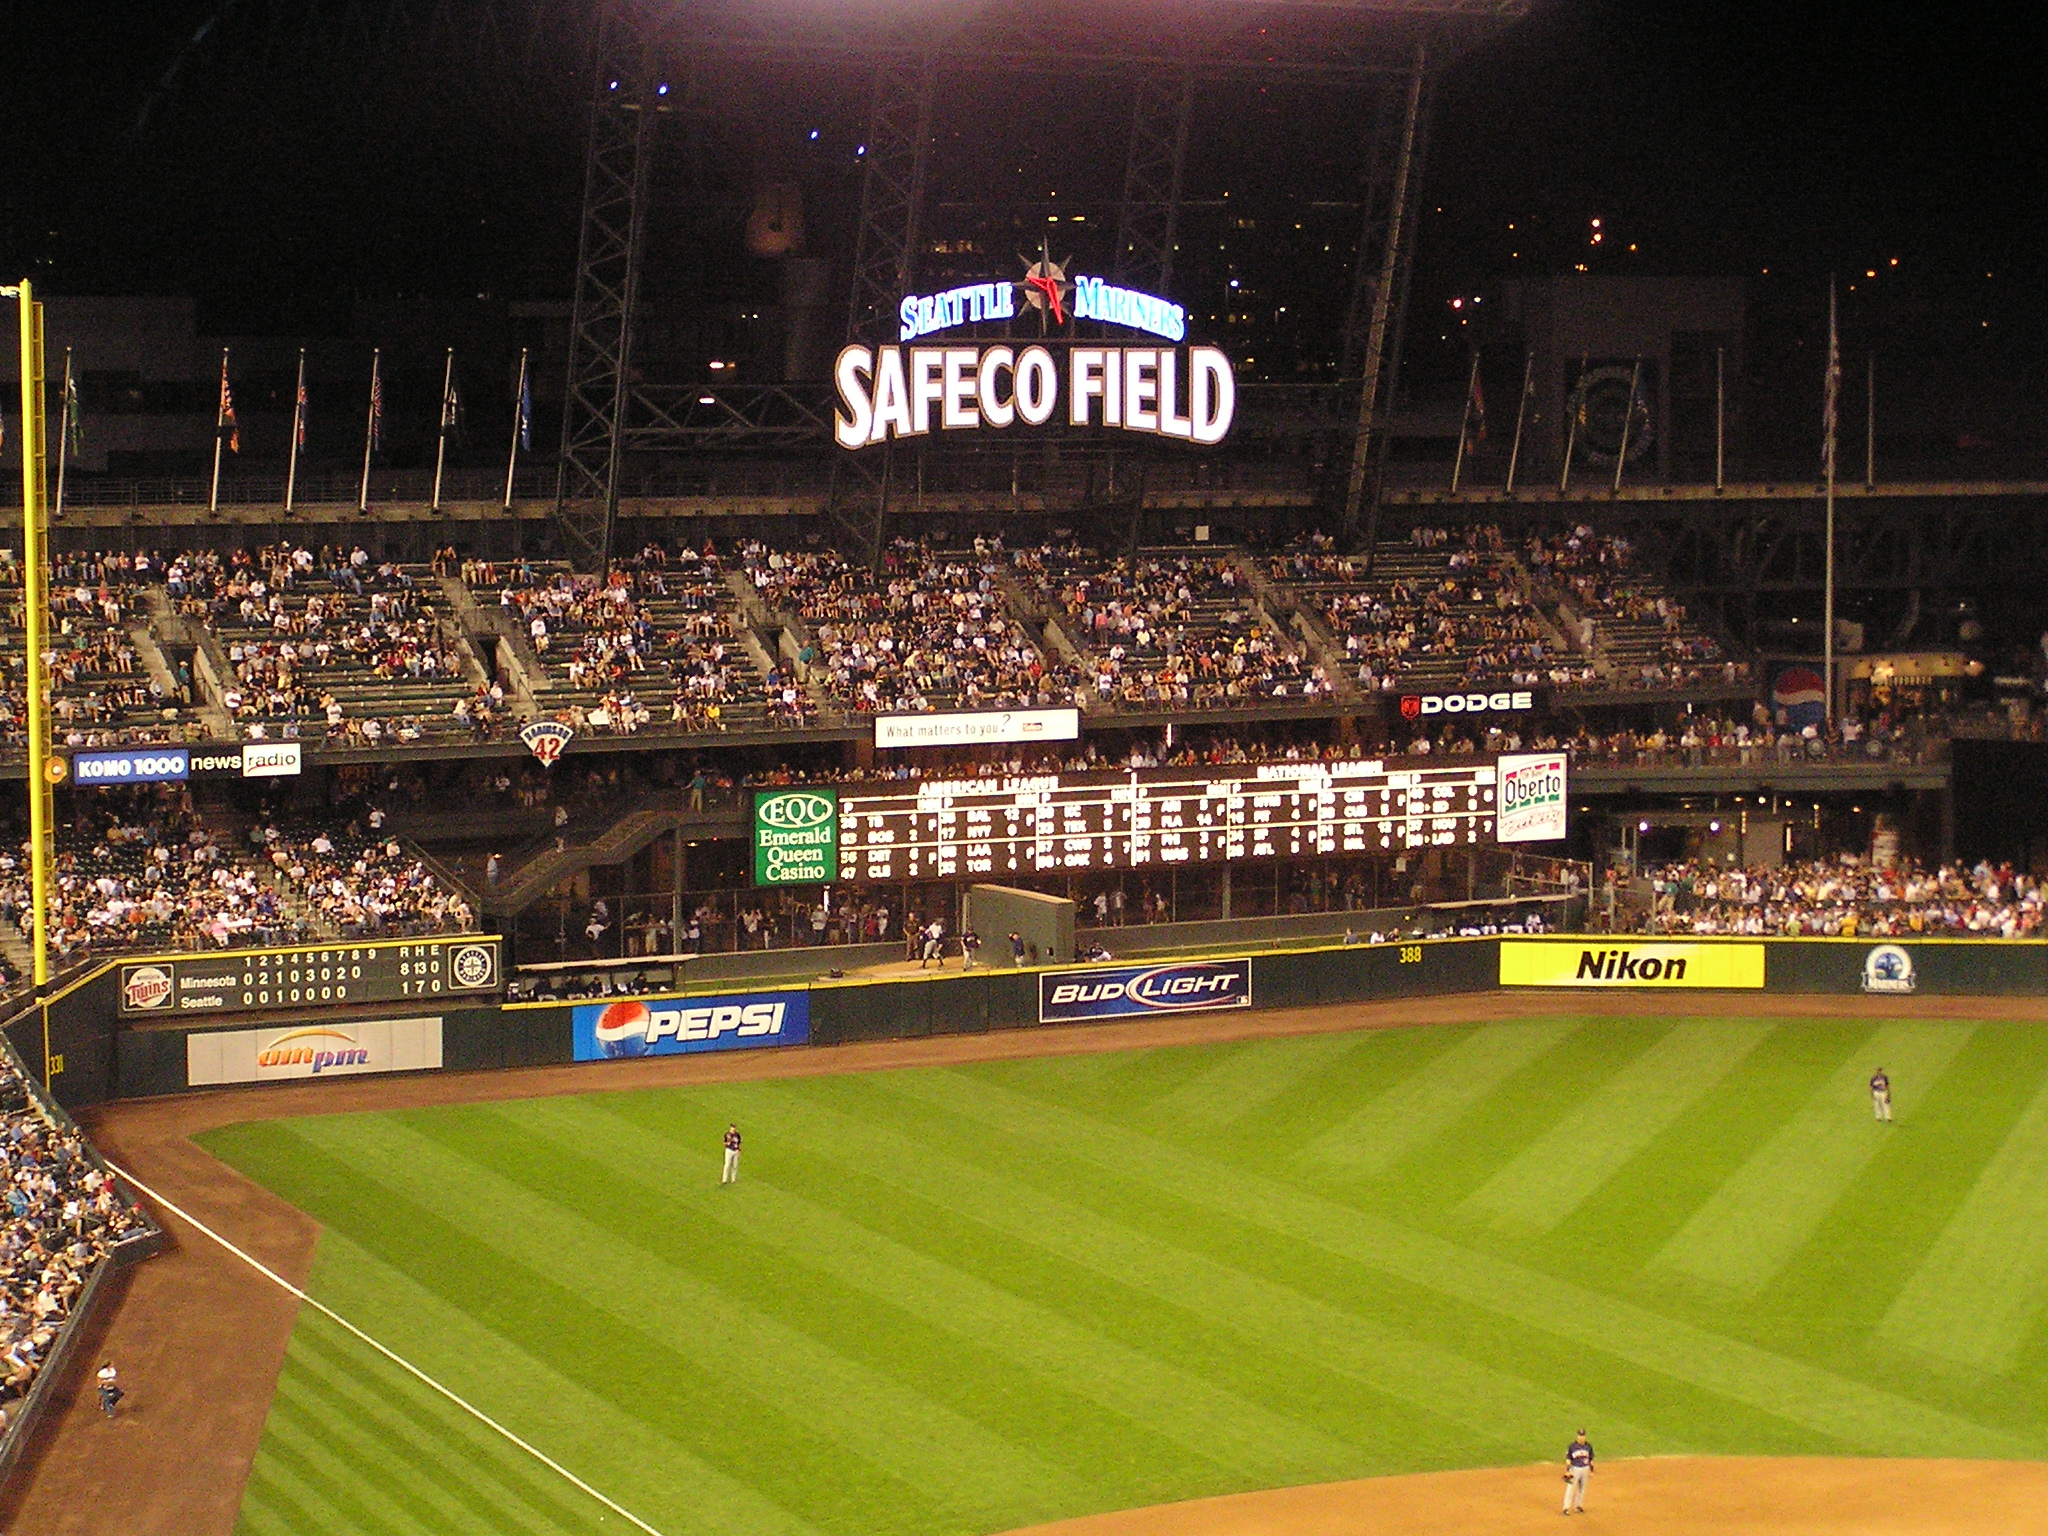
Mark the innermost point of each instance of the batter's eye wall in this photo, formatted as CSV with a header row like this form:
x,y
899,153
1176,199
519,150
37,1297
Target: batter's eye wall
x,y
103,1059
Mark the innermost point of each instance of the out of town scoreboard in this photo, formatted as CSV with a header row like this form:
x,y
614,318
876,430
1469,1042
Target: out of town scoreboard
x,y
1162,818
452,968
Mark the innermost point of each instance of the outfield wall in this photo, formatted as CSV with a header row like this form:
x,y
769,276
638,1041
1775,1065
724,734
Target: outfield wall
x,y
103,1059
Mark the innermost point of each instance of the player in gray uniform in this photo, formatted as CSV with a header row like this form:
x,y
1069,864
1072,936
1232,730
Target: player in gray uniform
x,y
1578,1466
1881,1094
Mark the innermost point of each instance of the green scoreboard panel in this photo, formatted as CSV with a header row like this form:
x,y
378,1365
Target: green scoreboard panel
x,y
452,967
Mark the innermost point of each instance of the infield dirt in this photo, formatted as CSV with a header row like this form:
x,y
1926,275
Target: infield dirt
x,y
200,1337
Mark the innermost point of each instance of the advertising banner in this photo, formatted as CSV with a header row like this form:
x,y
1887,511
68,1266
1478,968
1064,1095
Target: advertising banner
x,y
1531,788
1131,991
796,836
312,1051
966,730
251,760
1621,962
682,1026
142,765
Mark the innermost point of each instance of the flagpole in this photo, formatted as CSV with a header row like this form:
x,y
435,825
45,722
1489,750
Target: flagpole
x,y
291,474
1628,419
1869,423
1521,408
441,452
1465,422
1827,620
34,462
1571,436
519,424
63,434
220,421
370,431
1720,415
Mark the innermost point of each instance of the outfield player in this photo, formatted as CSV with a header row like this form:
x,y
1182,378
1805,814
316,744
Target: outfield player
x,y
1881,1094
1578,1466
732,1155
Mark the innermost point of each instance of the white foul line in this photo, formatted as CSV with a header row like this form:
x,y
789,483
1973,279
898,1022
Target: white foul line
x,y
396,1359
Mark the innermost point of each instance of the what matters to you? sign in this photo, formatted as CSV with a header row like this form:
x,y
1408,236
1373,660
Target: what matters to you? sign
x,y
796,836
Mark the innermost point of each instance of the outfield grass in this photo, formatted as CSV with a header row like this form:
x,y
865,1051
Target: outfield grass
x,y
958,1301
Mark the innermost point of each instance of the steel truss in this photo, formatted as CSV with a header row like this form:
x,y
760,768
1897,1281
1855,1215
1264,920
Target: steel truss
x,y
608,414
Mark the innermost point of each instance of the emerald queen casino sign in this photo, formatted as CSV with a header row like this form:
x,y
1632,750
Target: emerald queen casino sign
x,y
895,391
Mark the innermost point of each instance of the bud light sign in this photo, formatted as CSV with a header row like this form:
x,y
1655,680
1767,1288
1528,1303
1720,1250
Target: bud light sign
x,y
681,1026
1131,991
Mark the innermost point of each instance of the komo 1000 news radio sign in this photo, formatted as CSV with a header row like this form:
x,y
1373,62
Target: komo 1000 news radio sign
x,y
685,1026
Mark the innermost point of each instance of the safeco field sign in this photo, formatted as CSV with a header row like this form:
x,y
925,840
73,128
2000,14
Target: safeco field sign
x,y
796,836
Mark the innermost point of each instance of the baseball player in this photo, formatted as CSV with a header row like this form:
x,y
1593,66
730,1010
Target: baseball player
x,y
110,1389
1578,1466
1881,1095
732,1155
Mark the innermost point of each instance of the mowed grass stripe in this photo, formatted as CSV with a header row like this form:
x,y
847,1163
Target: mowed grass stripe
x,y
384,1417
1978,1291
1246,1078
1414,1377
1422,1106
377,1497
1204,1418
906,1436
1563,1168
535,1357
1746,1231
1871,1420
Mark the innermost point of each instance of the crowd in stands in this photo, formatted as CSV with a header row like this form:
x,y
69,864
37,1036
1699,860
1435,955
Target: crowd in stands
x,y
1170,628
930,631
134,869
63,1215
1638,628
361,884
1847,897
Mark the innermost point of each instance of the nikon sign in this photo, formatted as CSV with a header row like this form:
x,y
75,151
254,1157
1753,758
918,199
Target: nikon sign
x,y
796,836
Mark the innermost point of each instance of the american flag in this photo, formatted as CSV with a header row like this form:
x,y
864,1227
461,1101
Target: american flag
x,y
525,409
299,407
1830,410
228,424
376,403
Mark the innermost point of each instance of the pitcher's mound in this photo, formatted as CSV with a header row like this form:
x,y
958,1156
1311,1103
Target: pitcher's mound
x,y
1660,1496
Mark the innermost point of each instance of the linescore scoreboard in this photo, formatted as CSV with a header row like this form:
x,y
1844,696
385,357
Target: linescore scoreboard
x,y
1162,818
328,975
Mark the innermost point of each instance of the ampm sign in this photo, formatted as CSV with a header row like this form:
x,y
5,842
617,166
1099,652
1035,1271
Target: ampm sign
x,y
1131,991
144,765
796,836
681,1026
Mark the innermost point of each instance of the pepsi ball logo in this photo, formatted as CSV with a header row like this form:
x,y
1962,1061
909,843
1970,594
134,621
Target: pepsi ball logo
x,y
622,1030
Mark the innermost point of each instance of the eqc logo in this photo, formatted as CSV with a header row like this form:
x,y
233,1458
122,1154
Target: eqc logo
x,y
1127,991
796,812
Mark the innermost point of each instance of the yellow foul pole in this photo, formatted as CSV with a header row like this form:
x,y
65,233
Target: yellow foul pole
x,y
34,498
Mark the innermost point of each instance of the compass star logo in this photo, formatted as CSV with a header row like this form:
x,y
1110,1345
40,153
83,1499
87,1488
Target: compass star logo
x,y
1045,286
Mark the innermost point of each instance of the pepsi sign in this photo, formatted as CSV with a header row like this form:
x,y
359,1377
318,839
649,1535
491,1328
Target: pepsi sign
x,y
1133,991
683,1026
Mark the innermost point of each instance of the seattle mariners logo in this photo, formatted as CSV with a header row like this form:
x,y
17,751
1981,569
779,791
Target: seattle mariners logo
x,y
475,965
1888,968
1045,286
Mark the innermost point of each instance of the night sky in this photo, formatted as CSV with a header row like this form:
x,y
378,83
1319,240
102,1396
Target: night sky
x,y
282,179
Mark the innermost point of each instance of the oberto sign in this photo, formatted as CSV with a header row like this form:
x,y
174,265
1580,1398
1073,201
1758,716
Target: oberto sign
x,y
894,392
1529,801
796,836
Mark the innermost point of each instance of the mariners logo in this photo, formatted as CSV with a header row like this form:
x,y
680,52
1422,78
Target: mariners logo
x,y
546,739
1889,968
475,966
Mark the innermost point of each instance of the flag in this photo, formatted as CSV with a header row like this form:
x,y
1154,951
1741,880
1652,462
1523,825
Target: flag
x,y
74,416
376,404
227,422
1829,411
299,409
525,410
451,408
1476,406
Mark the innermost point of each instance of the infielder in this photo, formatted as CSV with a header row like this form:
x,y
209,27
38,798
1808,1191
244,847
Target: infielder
x,y
1881,1094
732,1156
1578,1466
